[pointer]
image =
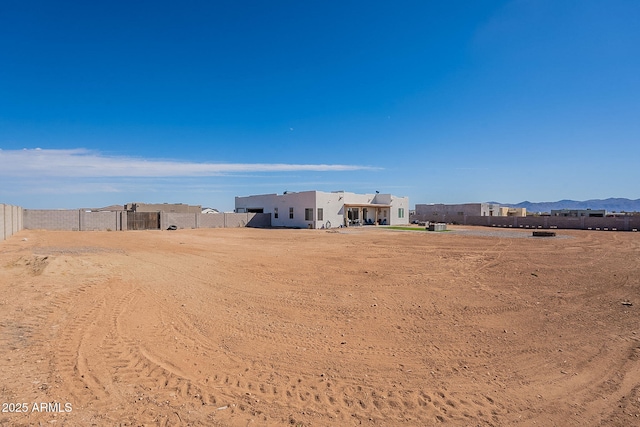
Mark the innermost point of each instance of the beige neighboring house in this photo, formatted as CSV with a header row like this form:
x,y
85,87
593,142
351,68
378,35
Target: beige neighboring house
x,y
467,209
506,211
112,208
163,207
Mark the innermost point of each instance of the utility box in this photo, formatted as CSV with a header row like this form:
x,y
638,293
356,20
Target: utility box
x,y
437,226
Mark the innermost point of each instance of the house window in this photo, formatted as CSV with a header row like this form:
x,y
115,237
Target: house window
x,y
320,215
275,213
400,212
308,214
290,213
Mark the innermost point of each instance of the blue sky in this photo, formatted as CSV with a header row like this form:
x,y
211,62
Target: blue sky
x,y
198,102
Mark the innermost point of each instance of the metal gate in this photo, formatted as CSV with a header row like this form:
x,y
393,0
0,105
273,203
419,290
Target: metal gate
x,y
143,220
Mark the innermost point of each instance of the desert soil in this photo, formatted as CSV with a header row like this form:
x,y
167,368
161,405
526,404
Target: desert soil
x,y
368,326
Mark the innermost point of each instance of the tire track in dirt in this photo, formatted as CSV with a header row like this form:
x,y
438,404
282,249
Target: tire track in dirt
x,y
341,399
186,342
152,382
292,334
73,364
98,365
337,401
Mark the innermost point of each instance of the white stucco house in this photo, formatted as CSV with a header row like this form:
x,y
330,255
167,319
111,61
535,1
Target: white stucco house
x,y
318,209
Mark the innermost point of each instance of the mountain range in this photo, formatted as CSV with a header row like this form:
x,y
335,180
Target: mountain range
x,y
610,205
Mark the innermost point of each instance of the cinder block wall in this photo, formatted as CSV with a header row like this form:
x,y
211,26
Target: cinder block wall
x,y
79,220
180,220
228,220
2,223
595,222
52,219
621,224
212,220
262,220
10,220
99,221
7,222
15,219
236,219
20,218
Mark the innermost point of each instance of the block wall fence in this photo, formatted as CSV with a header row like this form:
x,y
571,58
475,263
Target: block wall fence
x,y
11,220
15,218
223,220
80,220
626,223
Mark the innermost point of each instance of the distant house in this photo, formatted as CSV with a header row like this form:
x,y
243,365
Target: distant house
x,y
457,212
506,211
597,213
112,208
162,207
469,209
317,209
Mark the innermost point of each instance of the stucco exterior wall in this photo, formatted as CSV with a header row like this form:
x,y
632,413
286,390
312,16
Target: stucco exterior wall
x,y
282,203
353,198
396,204
332,205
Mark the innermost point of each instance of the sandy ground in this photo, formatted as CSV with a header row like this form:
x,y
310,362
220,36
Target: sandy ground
x,y
248,327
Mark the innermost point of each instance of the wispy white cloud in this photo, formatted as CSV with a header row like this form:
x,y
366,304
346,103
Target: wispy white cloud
x,y
82,163
57,186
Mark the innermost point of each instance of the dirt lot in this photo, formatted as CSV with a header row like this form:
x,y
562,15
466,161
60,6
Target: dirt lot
x,y
247,327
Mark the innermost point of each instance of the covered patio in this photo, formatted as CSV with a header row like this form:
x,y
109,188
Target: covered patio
x,y
358,214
